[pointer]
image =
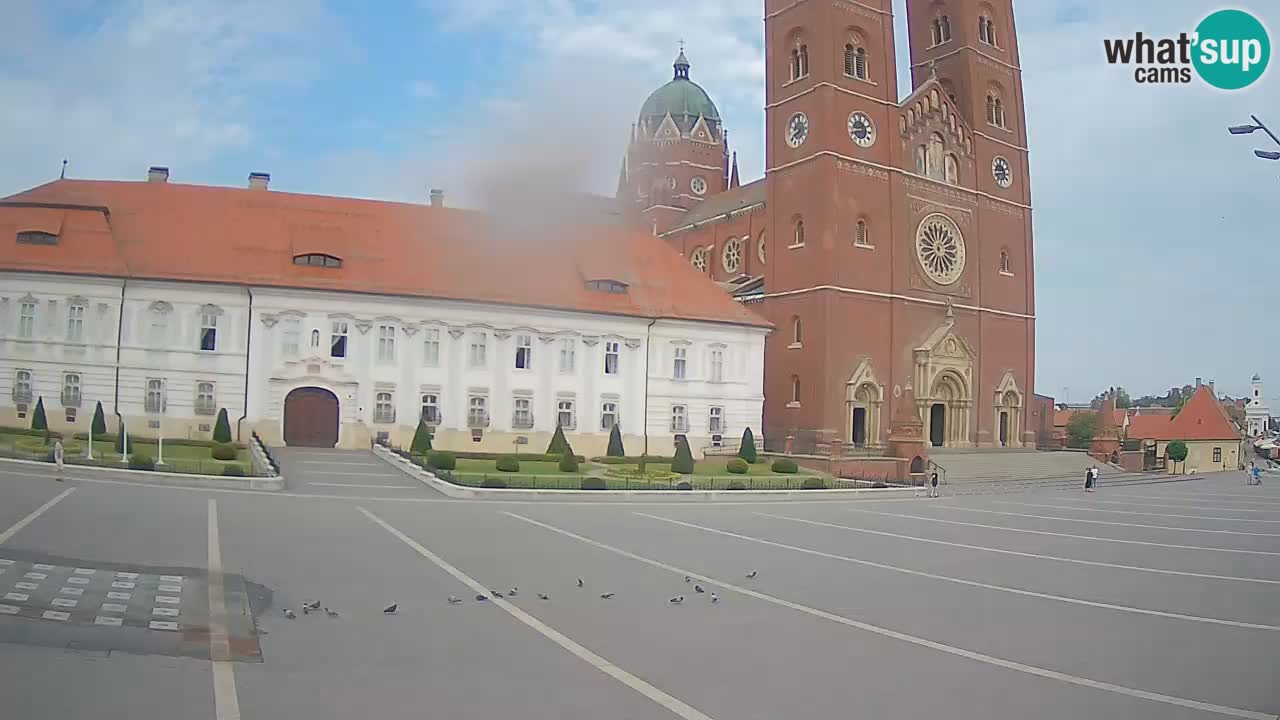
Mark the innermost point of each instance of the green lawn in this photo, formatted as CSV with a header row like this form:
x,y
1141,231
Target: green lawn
x,y
177,458
527,467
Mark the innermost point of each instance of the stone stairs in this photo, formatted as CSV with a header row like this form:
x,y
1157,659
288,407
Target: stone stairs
x,y
988,465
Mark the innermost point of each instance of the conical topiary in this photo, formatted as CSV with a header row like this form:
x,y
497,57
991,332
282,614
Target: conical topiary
x,y
38,421
615,443
99,425
747,449
683,461
421,444
222,428
558,444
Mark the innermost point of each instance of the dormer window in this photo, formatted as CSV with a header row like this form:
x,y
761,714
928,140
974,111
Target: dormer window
x,y
318,260
37,237
614,287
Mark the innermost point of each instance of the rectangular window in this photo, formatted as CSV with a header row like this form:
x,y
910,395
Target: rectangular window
x,y
478,412
679,419
478,349
204,399
717,365
565,415
431,347
384,409
715,421
524,352
338,339
522,413
22,386
26,320
159,329
208,331
71,390
75,323
608,415
431,408
611,358
680,368
1217,454
155,402
567,349
386,344
290,336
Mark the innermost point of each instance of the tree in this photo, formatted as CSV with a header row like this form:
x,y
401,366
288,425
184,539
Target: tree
x,y
421,444
1176,451
558,444
1177,406
1119,393
1081,428
747,448
222,428
38,421
683,461
615,443
99,425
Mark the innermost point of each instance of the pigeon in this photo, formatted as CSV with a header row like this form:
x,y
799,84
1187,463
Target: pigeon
x,y
676,600
715,598
391,609
579,582
290,614
688,579
481,598
496,594
331,613
751,574
543,596
698,589
607,595
513,592
313,605
454,600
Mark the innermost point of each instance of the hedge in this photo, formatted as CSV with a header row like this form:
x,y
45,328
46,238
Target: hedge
x,y
440,460
223,452
466,455
234,470
785,465
176,442
141,461
736,485
593,483
810,483
507,463
569,463
631,460
53,434
493,482
737,466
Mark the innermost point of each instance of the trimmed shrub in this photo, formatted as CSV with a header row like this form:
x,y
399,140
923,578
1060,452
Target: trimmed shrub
x,y
234,470
141,461
747,449
607,460
1176,450
222,428
736,485
569,463
38,421
99,424
737,466
421,444
119,443
507,463
53,434
785,465
223,452
440,460
811,483
593,483
493,482
684,485
615,442
683,461
879,485
559,445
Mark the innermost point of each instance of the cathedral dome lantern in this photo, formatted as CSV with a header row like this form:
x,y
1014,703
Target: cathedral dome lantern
x,y
682,99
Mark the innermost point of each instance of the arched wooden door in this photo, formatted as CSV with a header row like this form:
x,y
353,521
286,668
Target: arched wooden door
x,y
311,418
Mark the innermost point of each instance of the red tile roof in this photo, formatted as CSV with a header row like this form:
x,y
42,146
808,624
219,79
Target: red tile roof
x,y
233,235
1149,427
1201,418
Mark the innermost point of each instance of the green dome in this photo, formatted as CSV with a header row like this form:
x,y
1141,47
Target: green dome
x,y
680,97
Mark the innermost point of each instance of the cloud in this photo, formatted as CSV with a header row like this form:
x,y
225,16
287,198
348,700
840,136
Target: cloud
x,y
422,90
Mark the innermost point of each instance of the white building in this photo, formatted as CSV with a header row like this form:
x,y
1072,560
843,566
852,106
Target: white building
x,y
326,321
1256,413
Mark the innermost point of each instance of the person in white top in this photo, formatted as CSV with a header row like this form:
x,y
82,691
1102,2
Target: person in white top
x,y
58,456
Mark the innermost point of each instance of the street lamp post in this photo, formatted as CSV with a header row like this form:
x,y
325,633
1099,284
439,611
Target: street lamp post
x,y
1249,129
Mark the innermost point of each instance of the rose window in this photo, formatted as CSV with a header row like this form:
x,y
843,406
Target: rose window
x,y
940,249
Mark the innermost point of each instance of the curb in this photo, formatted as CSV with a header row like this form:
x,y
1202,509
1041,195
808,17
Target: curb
x,y
151,477
498,494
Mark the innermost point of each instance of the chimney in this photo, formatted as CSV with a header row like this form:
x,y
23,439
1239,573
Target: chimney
x,y
1211,388
1199,382
157,173
259,180
437,198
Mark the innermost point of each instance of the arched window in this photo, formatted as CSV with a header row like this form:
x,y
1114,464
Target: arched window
x,y
804,60
855,61
797,335
951,169
937,31
860,236
315,338
946,28
982,29
1004,263
318,260
795,389
795,64
799,238
1000,113
991,109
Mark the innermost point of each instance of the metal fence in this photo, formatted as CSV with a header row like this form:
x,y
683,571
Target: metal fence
x,y
686,482
10,448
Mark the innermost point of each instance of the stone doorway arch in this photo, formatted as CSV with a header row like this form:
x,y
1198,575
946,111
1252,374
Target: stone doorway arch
x,y
864,399
1008,405
944,368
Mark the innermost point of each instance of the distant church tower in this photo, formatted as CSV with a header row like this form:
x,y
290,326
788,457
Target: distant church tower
x,y
1256,413
678,154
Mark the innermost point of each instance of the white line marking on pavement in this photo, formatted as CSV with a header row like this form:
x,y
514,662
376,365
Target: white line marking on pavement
x,y
55,615
9,610
1130,512
914,640
72,591
63,602
1192,506
973,583
171,578
122,585
17,597
78,580
127,575
113,607
168,600
170,588
26,586
6,562
35,576
226,702
30,518
1065,535
1196,502
167,625
108,621
1102,522
366,487
352,474
1262,499
165,612
119,596
41,566
371,465
84,571
667,701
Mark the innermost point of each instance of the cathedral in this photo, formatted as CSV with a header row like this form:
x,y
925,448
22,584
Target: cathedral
x,y
889,241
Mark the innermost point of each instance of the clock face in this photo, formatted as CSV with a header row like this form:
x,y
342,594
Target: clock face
x,y
797,130
861,130
1002,172
698,185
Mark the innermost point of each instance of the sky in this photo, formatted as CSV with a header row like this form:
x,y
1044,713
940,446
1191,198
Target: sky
x,y
1156,257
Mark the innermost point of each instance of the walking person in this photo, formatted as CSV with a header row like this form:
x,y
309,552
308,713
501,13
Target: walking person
x,y
58,455
1088,480
933,485
1097,475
